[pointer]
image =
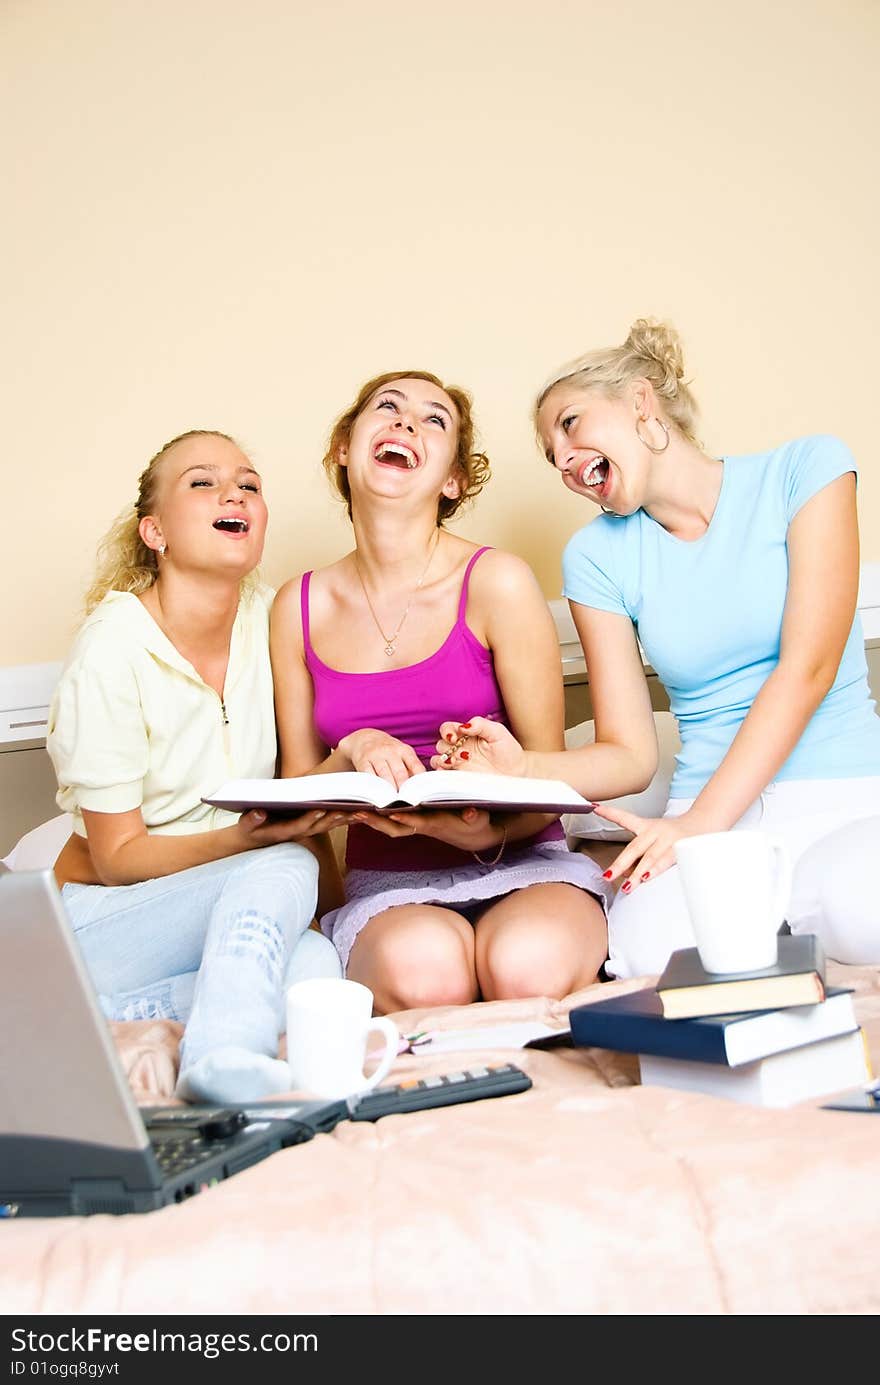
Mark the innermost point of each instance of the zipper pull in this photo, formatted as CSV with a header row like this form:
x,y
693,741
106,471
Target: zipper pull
x,y
223,710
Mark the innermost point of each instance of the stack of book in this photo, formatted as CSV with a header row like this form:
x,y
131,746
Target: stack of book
x,y
772,1038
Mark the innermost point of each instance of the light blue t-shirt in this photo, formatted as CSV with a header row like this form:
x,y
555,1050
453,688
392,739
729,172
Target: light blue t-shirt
x,y
709,612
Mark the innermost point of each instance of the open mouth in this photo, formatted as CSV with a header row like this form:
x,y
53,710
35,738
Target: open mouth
x,y
595,473
232,526
396,454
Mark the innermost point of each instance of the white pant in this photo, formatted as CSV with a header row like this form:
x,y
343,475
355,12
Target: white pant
x,y
831,828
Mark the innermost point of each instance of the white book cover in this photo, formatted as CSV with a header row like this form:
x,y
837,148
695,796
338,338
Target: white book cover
x,y
783,1079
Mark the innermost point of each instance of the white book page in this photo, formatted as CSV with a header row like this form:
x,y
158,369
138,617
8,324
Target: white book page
x,y
346,784
514,1035
434,786
462,786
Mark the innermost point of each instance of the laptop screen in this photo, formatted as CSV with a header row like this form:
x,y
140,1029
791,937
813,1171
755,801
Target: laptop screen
x,y
60,1075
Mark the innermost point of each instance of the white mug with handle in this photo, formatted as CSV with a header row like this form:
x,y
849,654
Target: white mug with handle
x,y
329,1024
738,886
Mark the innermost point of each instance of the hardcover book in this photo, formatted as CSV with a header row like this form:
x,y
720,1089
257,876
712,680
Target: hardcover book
x,y
686,989
782,1079
635,1023
866,1098
436,788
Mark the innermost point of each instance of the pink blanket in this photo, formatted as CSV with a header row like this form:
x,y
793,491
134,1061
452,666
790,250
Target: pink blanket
x,y
587,1194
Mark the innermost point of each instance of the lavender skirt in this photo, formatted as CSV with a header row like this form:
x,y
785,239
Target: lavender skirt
x,y
371,892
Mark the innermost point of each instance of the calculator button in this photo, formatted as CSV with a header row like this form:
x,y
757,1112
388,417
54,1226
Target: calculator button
x,y
479,1072
433,1082
456,1077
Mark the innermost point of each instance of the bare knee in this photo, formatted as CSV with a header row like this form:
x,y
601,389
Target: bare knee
x,y
416,967
516,970
552,956
441,981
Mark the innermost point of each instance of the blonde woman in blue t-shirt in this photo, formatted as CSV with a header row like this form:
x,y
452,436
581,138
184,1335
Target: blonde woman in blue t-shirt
x,y
739,577
183,911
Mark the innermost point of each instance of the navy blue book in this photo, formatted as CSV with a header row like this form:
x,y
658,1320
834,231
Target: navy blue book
x,y
635,1023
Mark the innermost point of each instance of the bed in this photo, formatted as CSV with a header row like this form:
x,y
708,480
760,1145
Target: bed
x,y
587,1194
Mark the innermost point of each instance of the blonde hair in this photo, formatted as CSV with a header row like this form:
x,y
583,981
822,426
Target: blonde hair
x,y
125,563
652,351
472,466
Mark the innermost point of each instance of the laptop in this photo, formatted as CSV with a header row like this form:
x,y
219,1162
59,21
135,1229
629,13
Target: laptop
x,y
72,1138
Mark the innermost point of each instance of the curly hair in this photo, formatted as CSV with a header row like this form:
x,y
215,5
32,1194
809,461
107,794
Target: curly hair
x,y
470,465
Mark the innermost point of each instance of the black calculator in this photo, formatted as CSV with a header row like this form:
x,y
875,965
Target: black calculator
x,y
446,1089
302,1120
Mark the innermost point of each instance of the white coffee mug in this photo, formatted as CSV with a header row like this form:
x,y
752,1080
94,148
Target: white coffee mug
x,y
329,1022
737,885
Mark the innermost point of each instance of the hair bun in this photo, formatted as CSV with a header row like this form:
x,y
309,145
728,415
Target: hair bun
x,y
659,342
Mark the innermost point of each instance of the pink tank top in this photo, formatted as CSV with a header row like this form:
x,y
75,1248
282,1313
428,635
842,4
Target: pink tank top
x,y
456,682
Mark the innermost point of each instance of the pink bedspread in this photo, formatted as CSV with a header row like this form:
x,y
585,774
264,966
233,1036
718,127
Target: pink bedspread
x,y
587,1194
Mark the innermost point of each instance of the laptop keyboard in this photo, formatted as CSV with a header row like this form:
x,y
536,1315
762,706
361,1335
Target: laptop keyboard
x,y
181,1152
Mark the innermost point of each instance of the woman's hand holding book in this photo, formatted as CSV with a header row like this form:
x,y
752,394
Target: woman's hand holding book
x,y
471,829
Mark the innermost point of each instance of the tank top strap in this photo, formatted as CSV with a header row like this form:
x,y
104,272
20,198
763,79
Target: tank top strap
x,y
304,613
462,600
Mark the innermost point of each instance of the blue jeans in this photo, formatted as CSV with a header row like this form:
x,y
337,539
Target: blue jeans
x,y
146,945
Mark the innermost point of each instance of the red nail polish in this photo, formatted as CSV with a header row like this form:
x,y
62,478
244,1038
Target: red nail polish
x,y
606,875
464,755
449,736
646,876
466,726
626,887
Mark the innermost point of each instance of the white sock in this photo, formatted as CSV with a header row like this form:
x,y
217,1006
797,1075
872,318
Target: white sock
x,y
229,1076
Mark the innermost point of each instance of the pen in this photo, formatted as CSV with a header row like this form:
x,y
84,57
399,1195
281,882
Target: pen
x,y
409,1041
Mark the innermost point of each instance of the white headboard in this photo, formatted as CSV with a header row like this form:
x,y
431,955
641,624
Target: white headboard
x,y
26,689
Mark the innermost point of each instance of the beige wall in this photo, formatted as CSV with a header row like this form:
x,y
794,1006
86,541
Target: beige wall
x,y
227,213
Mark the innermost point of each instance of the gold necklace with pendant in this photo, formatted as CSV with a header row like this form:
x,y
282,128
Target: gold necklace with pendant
x,y
391,640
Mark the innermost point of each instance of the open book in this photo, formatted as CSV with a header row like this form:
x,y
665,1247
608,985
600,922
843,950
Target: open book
x,y
436,788
516,1034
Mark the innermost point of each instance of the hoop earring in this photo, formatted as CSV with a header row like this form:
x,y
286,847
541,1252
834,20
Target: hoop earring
x,y
645,442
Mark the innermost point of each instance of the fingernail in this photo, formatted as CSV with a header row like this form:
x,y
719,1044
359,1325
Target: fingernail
x,y
449,736
466,726
606,875
626,887
464,754
447,759
646,876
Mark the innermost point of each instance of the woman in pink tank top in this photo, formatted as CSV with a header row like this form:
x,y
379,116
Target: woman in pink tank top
x,y
415,627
